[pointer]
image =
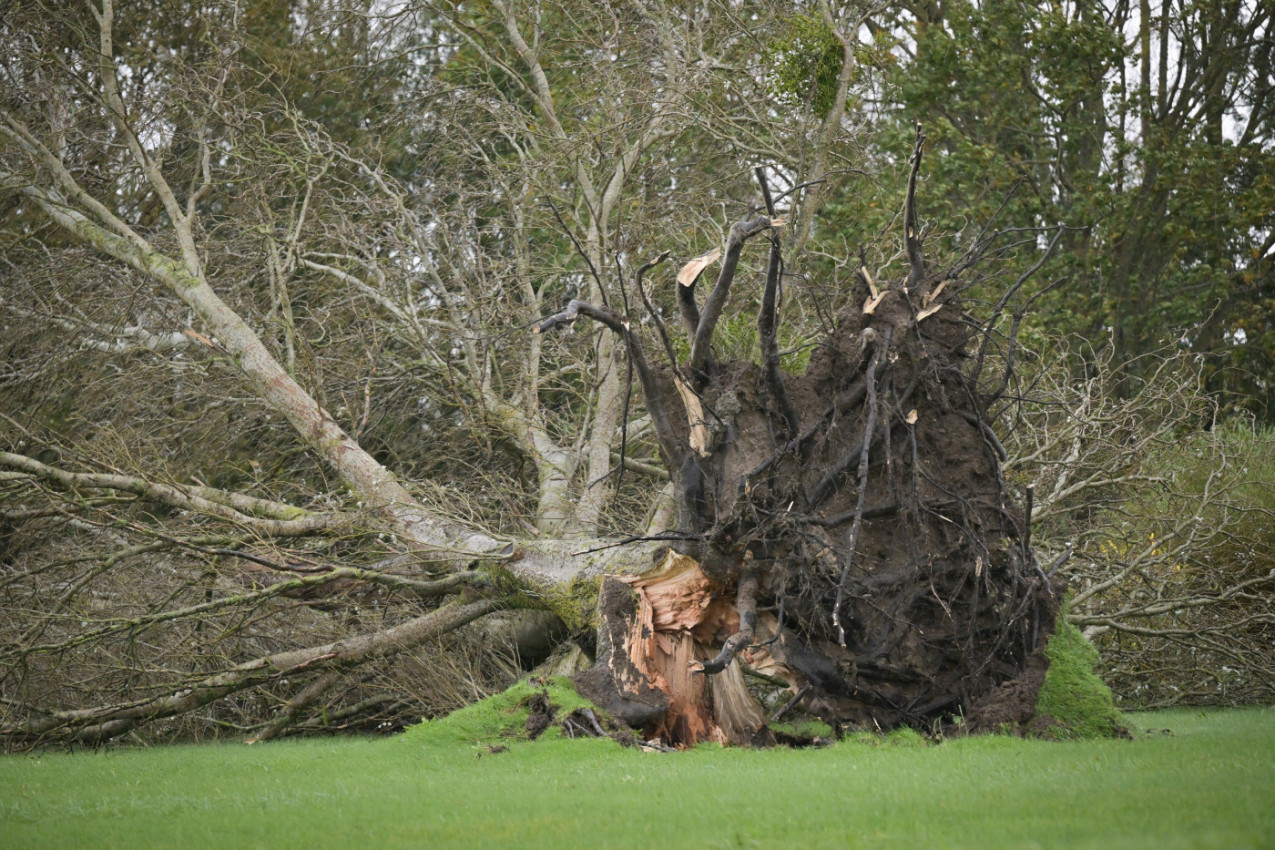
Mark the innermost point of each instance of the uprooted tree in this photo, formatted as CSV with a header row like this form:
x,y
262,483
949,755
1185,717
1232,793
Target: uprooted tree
x,y
840,532
848,530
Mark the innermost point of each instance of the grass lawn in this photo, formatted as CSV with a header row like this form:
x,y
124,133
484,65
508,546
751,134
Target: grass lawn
x,y
1210,783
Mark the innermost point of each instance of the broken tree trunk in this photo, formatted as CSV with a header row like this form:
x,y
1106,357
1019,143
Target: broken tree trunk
x,y
845,532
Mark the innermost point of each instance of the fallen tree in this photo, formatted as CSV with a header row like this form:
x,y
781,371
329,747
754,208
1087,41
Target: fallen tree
x,y
846,533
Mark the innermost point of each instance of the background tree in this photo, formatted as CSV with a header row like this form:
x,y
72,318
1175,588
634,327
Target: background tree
x,y
1168,523
1147,130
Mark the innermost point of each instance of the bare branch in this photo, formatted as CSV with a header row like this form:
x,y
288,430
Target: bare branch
x,y
740,232
262,515
109,721
911,227
767,319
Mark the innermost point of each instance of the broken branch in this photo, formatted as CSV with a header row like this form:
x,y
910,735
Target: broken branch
x,y
912,230
740,232
767,321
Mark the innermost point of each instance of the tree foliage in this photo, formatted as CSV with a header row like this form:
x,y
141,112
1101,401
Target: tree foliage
x,y
1149,134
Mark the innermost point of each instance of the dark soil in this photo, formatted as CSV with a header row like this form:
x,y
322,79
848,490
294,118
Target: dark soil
x,y
542,715
940,602
1011,706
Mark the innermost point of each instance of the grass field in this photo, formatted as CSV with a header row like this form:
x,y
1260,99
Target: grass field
x,y
1209,783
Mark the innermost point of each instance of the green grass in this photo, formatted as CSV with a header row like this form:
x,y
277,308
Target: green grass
x,y
1079,702
498,718
1209,784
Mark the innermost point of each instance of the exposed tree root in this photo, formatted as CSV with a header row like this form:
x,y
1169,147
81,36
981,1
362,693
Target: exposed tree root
x,y
863,498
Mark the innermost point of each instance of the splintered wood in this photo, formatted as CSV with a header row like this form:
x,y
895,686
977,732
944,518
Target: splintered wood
x,y
692,270
681,612
698,438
